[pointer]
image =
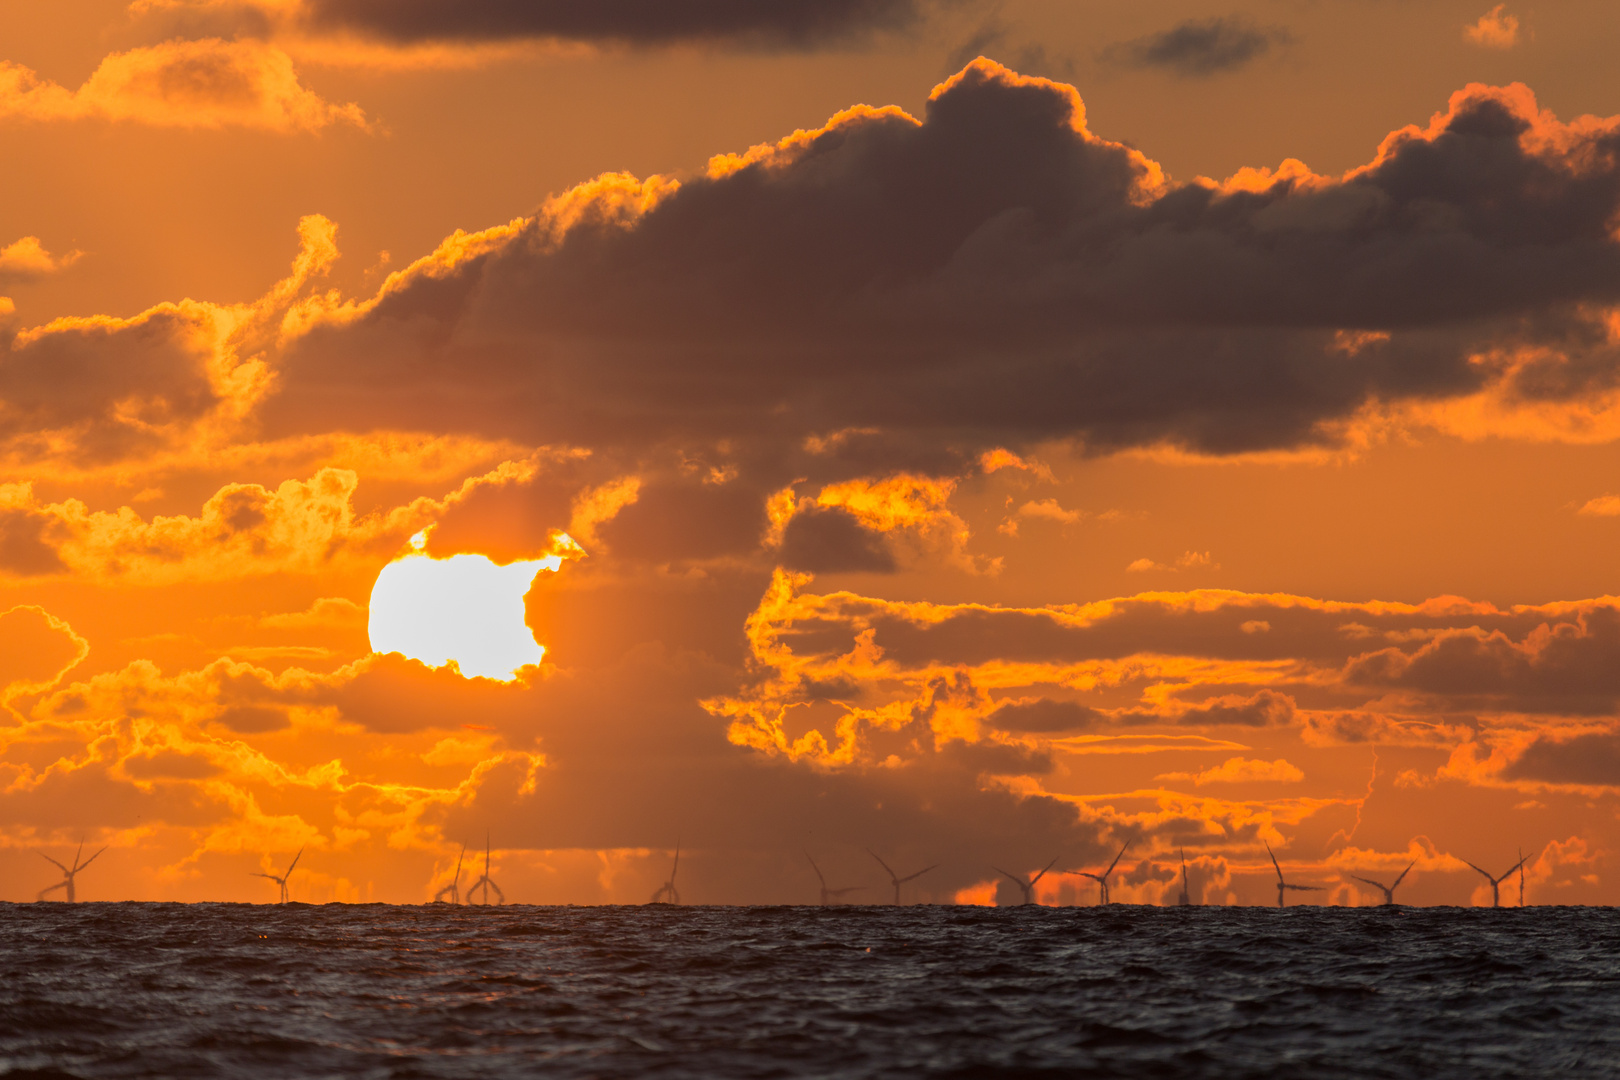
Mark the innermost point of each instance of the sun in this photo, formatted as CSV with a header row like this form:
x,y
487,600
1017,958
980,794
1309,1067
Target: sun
x,y
464,608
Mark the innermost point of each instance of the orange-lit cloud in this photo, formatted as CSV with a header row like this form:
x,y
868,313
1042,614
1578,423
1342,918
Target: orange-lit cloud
x,y
1495,29
27,258
1240,770
209,83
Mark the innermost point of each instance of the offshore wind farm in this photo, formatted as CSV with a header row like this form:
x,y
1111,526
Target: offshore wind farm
x,y
925,538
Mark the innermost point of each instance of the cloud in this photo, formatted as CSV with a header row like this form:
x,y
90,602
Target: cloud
x,y
1189,560
836,282
1590,760
37,650
411,25
1602,506
27,258
1241,770
209,83
1495,30
1198,48
788,24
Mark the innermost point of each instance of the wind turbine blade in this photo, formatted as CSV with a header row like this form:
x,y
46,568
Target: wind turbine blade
x,y
499,896
1274,864
817,869
76,854
919,873
1016,880
1307,888
1118,857
1398,880
677,868
883,864
1486,876
52,861
43,893
1515,866
1042,874
272,877
296,857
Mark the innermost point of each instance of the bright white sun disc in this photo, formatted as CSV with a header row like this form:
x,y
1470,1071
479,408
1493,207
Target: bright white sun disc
x,y
464,608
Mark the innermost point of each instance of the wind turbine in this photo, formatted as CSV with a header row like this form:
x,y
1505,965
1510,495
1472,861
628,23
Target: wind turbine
x,y
1496,882
1388,890
1521,877
826,893
899,881
1102,879
666,893
486,882
454,888
1027,886
1186,898
1283,886
67,874
282,880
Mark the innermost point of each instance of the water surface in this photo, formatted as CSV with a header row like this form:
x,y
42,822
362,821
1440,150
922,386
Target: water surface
x,y
126,990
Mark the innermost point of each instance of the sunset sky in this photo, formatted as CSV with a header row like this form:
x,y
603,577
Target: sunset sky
x,y
978,432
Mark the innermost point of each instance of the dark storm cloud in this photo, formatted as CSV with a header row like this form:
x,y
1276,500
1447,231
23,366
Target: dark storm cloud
x,y
1570,666
1590,759
995,274
1200,47
793,23
824,540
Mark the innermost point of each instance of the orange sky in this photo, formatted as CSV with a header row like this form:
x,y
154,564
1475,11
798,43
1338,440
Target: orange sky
x,y
1192,426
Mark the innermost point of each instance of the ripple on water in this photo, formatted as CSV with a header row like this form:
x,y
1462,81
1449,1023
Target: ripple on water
x,y
136,990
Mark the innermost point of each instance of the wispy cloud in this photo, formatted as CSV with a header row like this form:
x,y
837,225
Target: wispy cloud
x,y
1199,48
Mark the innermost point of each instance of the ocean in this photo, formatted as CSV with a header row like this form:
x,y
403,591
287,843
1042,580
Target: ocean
x,y
224,990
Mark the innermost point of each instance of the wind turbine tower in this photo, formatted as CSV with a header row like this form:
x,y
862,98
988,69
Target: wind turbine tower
x,y
454,888
1496,882
1388,890
1102,878
67,874
1028,887
1186,896
486,882
666,893
899,881
826,893
1283,886
281,881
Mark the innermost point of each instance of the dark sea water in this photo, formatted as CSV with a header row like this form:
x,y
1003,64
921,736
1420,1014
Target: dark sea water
x,y
205,990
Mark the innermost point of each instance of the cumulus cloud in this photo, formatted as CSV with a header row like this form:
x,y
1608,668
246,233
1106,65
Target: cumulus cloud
x,y
27,258
1494,30
1055,286
209,83
1201,47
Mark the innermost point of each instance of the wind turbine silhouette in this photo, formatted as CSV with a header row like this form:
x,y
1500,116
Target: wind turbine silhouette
x,y
1283,886
486,882
282,880
1186,898
1496,882
666,893
1102,879
1028,887
899,881
826,893
454,888
67,874
1521,877
1389,890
